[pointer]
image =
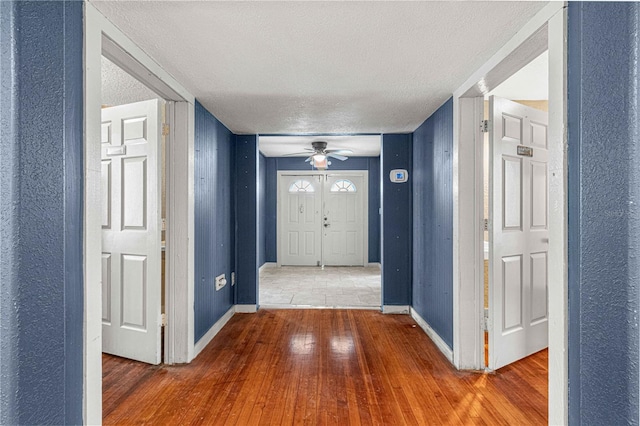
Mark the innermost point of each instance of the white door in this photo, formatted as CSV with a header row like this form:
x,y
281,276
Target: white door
x,y
519,235
300,204
131,262
343,220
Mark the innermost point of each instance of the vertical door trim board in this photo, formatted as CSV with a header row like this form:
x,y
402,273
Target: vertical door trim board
x,y
546,29
101,36
365,233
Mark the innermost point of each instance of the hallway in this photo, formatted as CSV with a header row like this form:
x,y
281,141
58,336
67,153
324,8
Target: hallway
x,y
322,367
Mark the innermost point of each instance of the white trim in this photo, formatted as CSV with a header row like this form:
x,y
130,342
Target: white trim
x,y
365,189
98,33
558,264
92,380
395,309
373,264
246,309
215,329
549,26
435,337
267,265
179,291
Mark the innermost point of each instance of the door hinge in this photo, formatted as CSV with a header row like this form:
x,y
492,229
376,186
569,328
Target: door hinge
x,y
486,320
485,126
165,129
485,224
163,320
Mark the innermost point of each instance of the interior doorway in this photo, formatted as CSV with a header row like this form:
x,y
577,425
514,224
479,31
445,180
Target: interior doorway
x,y
516,236
322,243
546,31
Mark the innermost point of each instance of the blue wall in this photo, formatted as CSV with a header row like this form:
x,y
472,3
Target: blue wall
x,y
273,164
214,219
433,221
397,221
604,220
247,159
41,154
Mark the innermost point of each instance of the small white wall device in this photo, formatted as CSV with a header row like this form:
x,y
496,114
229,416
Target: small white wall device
x,y
398,175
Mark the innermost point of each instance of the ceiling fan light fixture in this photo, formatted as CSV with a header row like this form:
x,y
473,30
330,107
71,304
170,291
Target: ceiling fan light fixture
x,y
320,163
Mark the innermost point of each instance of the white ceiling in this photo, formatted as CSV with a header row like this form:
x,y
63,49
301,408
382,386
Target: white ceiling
x,y
119,88
530,83
360,145
320,67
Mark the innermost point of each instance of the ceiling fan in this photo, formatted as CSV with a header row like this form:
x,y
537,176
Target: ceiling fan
x,y
319,154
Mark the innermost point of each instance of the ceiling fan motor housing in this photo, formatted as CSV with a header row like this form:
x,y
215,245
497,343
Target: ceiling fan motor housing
x,y
319,146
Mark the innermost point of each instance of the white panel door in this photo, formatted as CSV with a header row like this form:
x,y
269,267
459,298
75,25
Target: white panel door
x,y
343,220
131,232
300,219
519,235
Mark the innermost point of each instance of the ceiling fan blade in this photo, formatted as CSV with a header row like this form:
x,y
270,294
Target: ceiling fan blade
x,y
339,151
308,159
337,156
295,153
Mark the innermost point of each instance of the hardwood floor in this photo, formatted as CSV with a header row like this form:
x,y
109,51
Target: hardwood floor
x,y
316,367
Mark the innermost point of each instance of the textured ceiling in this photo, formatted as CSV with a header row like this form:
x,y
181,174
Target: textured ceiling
x,y
119,88
360,145
320,67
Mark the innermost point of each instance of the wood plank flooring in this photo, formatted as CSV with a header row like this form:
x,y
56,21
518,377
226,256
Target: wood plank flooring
x,y
317,367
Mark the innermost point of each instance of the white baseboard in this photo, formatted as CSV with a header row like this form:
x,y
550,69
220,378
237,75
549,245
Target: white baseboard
x,y
246,309
267,265
444,348
395,309
370,264
215,329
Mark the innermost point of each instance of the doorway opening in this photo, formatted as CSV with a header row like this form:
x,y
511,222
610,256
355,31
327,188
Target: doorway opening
x,y
546,31
516,231
107,158
322,235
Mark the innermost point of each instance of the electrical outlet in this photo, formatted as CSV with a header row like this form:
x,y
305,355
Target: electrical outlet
x,y
221,281
233,278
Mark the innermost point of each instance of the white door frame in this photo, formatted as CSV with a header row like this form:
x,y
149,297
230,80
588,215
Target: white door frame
x,y
365,233
547,29
102,37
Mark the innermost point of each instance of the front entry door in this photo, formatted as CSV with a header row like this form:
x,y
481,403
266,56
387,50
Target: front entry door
x,y
519,235
321,219
343,220
131,262
300,204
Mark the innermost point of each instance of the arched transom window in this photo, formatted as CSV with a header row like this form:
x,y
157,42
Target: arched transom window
x,y
343,185
301,185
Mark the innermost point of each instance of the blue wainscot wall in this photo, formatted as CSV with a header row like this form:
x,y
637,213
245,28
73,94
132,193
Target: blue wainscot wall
x,y
433,222
214,219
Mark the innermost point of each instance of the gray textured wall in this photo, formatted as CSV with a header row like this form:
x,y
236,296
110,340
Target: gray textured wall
x,y
604,220
41,288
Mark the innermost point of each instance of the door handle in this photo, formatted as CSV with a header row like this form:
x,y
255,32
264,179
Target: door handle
x,y
301,208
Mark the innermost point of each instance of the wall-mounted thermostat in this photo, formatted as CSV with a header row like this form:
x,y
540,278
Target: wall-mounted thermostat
x,y
398,175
